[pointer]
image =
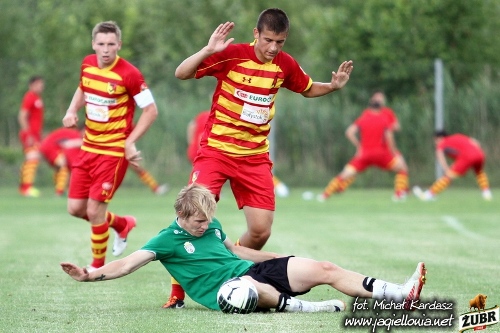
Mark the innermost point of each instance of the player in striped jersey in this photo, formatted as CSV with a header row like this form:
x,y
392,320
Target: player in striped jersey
x,y
110,88
235,145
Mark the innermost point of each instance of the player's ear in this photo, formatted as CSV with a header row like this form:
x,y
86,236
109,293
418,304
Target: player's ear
x,y
255,33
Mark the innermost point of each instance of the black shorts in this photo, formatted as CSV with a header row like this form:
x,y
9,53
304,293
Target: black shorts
x,y
275,273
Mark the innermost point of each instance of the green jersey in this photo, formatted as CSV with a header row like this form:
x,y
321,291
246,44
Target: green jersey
x,y
200,264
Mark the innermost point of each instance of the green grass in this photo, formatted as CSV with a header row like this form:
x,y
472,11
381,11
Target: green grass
x,y
361,230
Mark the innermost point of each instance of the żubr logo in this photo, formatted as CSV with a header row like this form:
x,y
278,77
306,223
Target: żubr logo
x,y
478,320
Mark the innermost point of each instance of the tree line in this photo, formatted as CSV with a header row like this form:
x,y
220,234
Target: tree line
x,y
393,44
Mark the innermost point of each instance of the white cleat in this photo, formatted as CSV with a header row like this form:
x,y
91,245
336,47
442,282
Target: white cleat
x,y
424,196
120,242
333,305
487,195
162,189
412,288
281,190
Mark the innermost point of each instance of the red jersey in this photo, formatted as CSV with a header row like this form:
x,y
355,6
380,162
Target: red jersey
x,y
243,101
459,146
390,115
33,105
199,128
372,127
53,144
109,103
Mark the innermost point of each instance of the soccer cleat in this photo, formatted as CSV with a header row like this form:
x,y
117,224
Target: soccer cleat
x,y
412,288
321,197
487,195
399,196
120,242
333,305
162,189
281,190
424,196
30,192
174,303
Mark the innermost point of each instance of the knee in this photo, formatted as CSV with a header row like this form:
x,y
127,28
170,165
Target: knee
x,y
259,238
329,268
77,211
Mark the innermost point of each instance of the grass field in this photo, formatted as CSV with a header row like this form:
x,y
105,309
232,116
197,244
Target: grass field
x,y
458,236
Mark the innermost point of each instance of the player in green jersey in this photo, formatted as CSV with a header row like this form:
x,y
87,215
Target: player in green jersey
x,y
199,255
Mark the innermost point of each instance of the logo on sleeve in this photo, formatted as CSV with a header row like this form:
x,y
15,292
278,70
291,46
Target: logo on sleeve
x,y
217,233
189,247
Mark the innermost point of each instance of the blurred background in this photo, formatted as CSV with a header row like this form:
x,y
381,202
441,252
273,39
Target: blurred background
x,y
393,43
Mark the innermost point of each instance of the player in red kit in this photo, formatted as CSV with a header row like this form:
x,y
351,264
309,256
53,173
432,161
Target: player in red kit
x,y
466,153
60,149
31,125
110,88
374,147
235,145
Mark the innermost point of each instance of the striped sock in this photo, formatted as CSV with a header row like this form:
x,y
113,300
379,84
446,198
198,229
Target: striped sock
x,y
440,185
99,243
118,223
28,173
401,182
61,179
148,180
482,180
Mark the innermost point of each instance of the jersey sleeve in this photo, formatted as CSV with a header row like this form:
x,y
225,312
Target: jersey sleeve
x,y
218,226
28,102
296,78
215,65
159,245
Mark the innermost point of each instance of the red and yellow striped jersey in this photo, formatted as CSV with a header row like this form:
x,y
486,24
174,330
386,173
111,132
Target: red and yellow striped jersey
x,y
109,103
243,101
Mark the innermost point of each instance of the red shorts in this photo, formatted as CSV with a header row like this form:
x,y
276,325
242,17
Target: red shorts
x,y
96,176
50,155
382,158
250,177
29,140
461,165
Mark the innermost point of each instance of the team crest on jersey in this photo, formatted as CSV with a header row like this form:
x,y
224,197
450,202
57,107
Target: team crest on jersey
x,y
217,233
189,247
194,176
111,88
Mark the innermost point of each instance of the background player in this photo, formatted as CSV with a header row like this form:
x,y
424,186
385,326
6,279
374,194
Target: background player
x,y
214,259
374,147
467,154
235,144
110,88
30,120
60,149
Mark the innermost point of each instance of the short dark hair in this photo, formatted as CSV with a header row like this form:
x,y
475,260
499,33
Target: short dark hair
x,y
35,78
107,27
274,19
440,133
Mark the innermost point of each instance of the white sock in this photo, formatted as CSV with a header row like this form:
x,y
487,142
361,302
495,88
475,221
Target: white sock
x,y
387,290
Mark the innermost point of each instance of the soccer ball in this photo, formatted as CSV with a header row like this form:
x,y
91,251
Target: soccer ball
x,y
237,295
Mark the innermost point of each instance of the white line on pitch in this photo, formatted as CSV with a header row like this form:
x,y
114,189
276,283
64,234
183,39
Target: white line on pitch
x,y
459,227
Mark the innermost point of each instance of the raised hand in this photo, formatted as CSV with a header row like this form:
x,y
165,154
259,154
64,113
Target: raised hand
x,y
217,41
340,78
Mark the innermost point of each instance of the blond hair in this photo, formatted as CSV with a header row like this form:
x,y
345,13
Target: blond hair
x,y
195,199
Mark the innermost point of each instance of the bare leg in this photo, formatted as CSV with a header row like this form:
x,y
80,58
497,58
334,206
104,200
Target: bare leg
x,y
304,274
259,222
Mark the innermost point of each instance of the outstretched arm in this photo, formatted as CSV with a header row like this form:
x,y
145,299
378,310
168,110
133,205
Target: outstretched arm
x,y
216,43
442,160
338,81
114,270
